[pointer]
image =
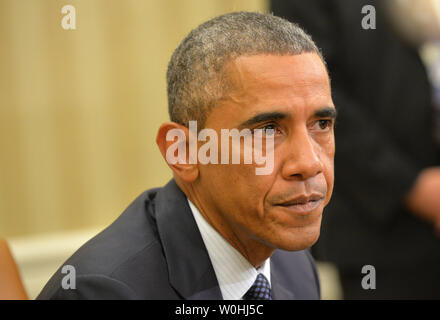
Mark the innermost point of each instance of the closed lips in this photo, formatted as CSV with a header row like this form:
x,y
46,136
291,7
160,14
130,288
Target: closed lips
x,y
302,199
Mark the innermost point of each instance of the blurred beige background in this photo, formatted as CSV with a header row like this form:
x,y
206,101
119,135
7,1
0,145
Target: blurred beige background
x,y
79,110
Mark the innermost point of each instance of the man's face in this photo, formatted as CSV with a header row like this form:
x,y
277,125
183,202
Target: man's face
x,y
290,94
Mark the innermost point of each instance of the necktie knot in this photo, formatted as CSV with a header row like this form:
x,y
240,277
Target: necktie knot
x,y
260,290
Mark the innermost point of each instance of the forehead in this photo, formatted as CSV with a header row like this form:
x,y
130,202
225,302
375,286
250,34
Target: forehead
x,y
258,83
275,71
266,64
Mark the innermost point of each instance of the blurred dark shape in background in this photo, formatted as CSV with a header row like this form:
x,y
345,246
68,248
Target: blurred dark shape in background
x,y
385,209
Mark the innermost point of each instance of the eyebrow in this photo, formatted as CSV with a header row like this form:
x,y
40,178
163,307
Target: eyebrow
x,y
326,112
262,117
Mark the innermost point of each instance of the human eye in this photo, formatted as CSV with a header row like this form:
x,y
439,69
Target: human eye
x,y
270,129
324,124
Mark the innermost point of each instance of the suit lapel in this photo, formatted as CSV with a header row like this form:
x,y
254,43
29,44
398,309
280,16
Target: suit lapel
x,y
279,291
189,267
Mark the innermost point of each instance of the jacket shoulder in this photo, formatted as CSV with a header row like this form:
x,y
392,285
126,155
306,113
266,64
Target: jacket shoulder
x,y
124,261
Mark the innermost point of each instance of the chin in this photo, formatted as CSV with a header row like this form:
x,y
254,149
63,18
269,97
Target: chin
x,y
299,239
301,245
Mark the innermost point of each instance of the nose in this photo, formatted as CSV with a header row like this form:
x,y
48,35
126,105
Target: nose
x,y
302,159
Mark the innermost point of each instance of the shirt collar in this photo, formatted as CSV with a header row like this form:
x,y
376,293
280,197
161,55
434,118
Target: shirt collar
x,y
234,273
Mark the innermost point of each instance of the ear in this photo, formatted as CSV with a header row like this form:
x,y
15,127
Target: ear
x,y
173,142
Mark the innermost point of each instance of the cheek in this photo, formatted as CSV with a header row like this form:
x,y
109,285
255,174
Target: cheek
x,y
230,182
238,190
330,183
327,158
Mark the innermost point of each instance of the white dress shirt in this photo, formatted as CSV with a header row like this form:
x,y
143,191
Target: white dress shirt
x,y
234,273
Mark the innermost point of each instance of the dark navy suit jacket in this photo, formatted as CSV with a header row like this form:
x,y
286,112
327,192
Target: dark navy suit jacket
x,y
154,250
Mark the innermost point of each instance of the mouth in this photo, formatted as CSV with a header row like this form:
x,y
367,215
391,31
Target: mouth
x,y
303,204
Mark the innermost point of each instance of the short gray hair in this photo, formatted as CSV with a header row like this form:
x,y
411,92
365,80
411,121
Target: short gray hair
x,y
195,77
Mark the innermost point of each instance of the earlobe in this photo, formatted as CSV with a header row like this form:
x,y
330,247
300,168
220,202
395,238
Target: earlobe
x,y
172,140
